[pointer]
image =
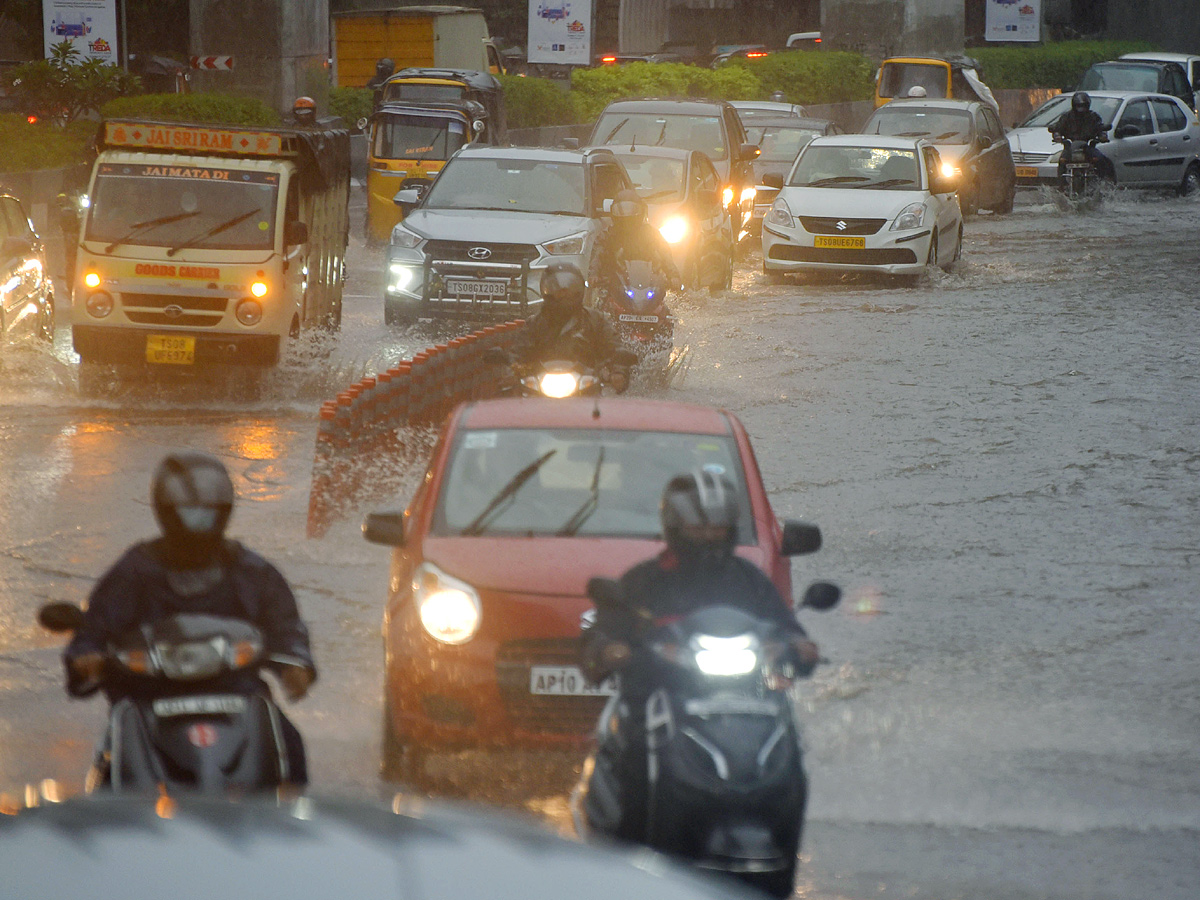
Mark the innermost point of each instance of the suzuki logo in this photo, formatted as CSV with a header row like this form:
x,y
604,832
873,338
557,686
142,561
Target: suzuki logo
x,y
841,226
174,311
479,253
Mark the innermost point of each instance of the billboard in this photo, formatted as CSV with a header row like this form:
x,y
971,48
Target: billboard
x,y
1013,20
91,25
560,31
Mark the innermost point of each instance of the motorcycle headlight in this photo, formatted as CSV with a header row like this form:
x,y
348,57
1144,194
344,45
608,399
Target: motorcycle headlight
x,y
912,216
571,245
727,195
450,610
780,214
558,384
726,656
674,229
402,237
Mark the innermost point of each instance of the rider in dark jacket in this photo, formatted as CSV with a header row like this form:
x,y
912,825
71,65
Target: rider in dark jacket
x,y
384,68
1081,123
192,568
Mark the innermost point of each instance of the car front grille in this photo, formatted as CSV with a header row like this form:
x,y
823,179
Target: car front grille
x,y
890,256
820,225
458,252
174,309
452,265
1031,159
558,715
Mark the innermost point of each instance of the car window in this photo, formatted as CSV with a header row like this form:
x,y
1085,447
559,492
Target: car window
x,y
948,126
5,228
18,222
628,480
1170,117
1137,115
995,130
509,185
708,177
933,164
418,137
687,132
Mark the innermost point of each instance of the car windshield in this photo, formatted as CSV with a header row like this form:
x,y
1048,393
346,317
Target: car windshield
x,y
779,143
601,483
687,132
655,178
871,168
170,205
511,185
1105,107
417,137
943,126
1119,78
895,79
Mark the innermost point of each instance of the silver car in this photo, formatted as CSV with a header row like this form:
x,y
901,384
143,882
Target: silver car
x,y
1154,141
474,245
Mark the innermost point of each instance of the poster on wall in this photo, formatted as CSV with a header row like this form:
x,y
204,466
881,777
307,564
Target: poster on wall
x,y
91,25
1013,20
560,31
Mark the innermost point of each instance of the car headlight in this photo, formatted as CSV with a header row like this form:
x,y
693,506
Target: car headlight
x,y
401,277
572,245
912,216
674,229
450,609
949,170
727,195
402,237
780,214
726,656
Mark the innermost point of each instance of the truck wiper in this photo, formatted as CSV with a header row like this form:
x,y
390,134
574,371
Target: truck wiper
x,y
216,229
480,523
589,505
149,223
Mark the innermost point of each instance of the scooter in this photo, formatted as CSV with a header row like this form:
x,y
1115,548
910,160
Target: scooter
x,y
562,378
1079,181
724,785
195,727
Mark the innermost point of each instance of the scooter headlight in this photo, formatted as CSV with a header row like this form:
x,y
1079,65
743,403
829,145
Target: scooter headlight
x,y
450,609
193,660
558,384
726,656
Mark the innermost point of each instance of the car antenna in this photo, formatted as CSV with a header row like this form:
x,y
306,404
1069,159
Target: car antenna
x,y
596,407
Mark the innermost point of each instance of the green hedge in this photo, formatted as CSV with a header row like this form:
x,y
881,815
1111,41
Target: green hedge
x,y
813,76
351,103
593,89
536,102
212,109
1058,65
41,146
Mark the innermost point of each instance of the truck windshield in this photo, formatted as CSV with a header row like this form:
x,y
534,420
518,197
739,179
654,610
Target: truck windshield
x,y
418,137
510,185
162,205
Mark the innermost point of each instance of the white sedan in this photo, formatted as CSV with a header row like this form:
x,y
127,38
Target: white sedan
x,y
863,203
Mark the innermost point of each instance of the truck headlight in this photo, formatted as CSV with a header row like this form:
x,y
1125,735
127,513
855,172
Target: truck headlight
x,y
99,304
674,229
402,237
249,312
572,245
912,216
449,608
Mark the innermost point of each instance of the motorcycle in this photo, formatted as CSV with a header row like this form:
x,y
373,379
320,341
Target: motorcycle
x,y
195,727
725,785
639,306
1079,180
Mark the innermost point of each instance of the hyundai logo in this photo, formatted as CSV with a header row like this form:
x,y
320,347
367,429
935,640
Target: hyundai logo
x,y
479,253
174,311
841,226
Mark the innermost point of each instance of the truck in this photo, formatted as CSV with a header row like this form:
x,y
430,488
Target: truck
x,y
448,37
208,246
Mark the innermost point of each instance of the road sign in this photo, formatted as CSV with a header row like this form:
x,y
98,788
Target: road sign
x,y
212,62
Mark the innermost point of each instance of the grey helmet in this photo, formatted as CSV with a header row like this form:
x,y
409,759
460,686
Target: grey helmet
x,y
700,499
193,499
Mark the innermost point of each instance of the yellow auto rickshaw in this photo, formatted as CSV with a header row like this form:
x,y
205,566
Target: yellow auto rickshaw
x,y
955,77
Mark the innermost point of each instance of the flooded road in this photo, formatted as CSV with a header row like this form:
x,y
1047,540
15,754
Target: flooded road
x,y
1004,461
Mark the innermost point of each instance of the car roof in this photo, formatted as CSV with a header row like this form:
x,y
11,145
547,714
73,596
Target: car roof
x,y
621,413
1133,63
799,123
763,104
647,150
880,141
1154,56
134,847
931,102
547,154
666,105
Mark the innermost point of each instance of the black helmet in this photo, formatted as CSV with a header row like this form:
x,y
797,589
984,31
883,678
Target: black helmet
x,y
699,516
192,497
385,67
1081,101
562,289
627,207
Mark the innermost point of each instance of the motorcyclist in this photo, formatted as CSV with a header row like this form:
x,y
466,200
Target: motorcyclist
x,y
193,568
631,236
384,69
304,112
697,569
1081,123
565,329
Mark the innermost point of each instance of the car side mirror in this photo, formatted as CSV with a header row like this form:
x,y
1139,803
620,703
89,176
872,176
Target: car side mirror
x,y
408,198
295,233
943,184
799,538
822,596
569,143
361,124
708,198
749,151
773,180
606,205
1125,131
384,528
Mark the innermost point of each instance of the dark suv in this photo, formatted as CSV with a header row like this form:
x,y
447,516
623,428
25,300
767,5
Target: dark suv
x,y
711,126
1138,75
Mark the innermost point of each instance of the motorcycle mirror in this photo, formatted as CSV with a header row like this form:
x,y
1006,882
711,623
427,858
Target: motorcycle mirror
x,y
799,538
60,617
822,596
384,528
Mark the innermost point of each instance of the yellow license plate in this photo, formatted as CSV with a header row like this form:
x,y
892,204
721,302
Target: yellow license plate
x,y
836,242
170,350
1027,172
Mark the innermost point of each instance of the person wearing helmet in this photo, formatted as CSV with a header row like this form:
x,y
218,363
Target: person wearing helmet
x,y
698,568
917,91
383,71
192,567
304,112
565,329
778,97
1081,123
631,236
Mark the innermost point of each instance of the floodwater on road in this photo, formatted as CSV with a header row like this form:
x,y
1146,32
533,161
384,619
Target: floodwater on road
x,y
1003,460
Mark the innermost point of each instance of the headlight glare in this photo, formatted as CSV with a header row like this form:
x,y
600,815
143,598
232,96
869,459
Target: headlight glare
x,y
401,276
912,216
259,289
92,279
727,195
726,656
558,384
449,608
674,229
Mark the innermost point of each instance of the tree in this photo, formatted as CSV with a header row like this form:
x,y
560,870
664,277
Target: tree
x,y
63,87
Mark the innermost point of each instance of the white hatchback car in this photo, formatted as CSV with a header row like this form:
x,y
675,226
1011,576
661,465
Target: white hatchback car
x,y
863,203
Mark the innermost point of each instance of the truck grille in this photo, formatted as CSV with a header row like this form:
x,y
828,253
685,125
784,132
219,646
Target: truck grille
x,y
815,225
559,715
174,309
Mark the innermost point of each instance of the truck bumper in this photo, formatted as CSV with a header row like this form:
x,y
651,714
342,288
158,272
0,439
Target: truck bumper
x,y
127,346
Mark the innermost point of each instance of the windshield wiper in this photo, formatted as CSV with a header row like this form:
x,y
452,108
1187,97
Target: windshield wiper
x,y
480,523
616,128
949,134
149,223
589,505
890,182
911,134
216,229
837,179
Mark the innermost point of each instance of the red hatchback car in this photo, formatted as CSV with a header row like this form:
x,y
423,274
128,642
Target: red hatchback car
x,y
523,502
